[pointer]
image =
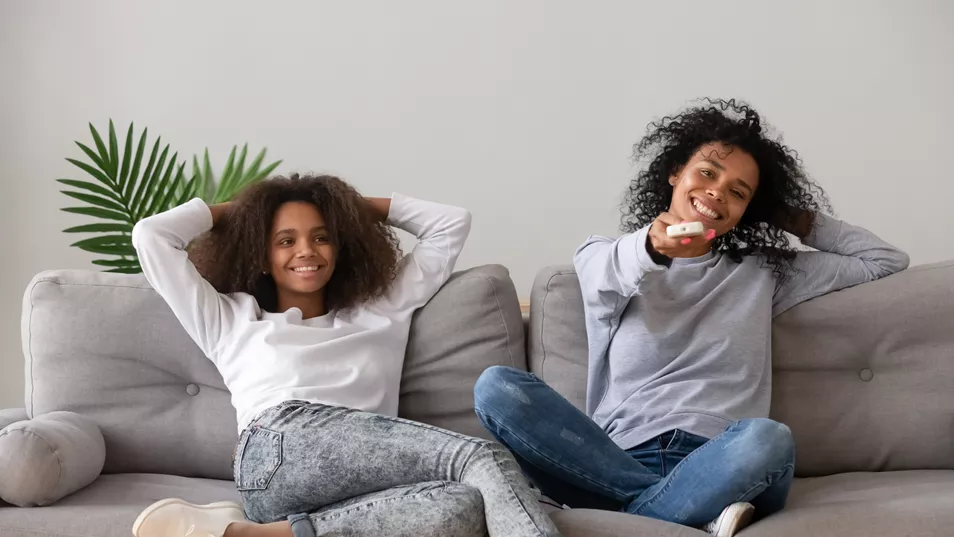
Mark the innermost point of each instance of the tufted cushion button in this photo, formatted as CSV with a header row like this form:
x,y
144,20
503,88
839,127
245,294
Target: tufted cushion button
x,y
865,375
192,389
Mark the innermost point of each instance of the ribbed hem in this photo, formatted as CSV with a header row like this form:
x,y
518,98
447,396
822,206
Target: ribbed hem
x,y
301,526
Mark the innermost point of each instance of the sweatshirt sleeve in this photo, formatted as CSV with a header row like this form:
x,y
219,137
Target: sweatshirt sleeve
x,y
160,242
441,231
611,271
846,255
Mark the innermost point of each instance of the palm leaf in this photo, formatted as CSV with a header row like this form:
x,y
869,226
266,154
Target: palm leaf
x,y
100,228
104,240
126,270
95,200
137,160
107,244
116,262
97,160
226,175
158,191
92,187
98,213
114,153
207,191
103,154
188,191
99,175
127,155
149,182
165,192
137,196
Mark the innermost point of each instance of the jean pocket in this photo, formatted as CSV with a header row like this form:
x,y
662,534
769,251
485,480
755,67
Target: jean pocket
x,y
258,458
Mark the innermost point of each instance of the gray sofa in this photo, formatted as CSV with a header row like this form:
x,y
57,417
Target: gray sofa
x,y
864,377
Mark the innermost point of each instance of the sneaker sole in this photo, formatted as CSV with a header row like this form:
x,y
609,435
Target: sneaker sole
x,y
739,520
176,501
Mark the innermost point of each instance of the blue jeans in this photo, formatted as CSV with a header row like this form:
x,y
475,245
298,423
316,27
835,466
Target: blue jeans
x,y
678,477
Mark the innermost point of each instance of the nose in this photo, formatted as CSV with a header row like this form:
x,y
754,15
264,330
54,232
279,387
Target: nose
x,y
715,194
305,250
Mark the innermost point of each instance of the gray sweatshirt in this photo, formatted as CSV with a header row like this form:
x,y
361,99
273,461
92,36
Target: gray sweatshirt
x,y
689,346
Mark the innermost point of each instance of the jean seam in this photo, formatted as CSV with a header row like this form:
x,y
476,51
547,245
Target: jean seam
x,y
378,501
670,479
513,494
614,491
452,434
768,481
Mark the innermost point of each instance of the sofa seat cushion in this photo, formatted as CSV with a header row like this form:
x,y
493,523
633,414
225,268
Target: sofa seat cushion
x,y
592,523
108,507
882,504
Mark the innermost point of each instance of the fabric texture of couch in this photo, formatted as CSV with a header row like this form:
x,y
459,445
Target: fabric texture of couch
x,y
862,376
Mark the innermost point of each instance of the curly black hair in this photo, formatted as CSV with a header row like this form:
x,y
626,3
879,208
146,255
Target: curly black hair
x,y
234,253
783,185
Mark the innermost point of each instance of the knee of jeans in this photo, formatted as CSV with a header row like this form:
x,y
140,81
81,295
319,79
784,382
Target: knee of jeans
x,y
464,513
492,386
468,498
770,440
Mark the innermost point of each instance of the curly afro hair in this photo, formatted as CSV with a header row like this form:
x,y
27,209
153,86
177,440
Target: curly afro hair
x,y
234,253
783,185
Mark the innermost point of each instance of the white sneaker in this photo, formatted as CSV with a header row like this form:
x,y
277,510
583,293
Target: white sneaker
x,y
732,520
178,518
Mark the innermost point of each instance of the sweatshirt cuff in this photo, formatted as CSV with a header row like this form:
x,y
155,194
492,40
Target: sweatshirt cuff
x,y
196,219
633,252
824,234
398,210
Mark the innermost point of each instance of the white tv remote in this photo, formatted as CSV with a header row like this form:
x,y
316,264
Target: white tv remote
x,y
687,229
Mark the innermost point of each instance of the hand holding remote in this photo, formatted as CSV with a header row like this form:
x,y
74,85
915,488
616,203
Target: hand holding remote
x,y
659,243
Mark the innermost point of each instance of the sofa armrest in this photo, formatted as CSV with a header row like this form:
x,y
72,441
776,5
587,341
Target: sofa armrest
x,y
49,457
9,416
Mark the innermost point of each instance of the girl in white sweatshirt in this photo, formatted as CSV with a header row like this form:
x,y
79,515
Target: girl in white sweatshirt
x,y
298,295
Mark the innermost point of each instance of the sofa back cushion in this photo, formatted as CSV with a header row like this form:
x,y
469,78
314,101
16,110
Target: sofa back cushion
x,y
107,347
862,376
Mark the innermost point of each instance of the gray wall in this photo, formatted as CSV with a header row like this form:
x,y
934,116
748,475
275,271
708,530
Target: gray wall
x,y
523,111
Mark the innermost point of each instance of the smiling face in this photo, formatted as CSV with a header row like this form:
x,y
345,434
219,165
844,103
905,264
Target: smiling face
x,y
714,187
301,256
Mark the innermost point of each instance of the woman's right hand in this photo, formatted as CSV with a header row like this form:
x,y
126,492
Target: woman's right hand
x,y
658,243
219,210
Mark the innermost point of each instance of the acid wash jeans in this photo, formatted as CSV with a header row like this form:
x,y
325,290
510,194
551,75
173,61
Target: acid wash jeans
x,y
677,476
333,471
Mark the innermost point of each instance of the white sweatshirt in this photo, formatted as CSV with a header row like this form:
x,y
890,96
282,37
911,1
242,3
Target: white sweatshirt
x,y
351,358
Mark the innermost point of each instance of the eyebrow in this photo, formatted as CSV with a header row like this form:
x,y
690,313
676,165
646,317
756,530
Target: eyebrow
x,y
722,168
292,231
714,163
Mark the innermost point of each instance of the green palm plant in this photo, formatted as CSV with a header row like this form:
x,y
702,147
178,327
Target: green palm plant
x,y
122,195
234,178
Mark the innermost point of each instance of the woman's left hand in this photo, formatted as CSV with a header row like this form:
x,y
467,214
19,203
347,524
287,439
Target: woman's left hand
x,y
798,222
381,206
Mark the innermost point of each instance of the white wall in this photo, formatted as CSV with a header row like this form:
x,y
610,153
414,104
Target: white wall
x,y
523,111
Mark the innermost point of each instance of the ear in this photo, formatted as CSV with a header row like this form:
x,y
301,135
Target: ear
x,y
674,177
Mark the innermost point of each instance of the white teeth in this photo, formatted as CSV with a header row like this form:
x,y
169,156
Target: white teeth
x,y
305,269
704,210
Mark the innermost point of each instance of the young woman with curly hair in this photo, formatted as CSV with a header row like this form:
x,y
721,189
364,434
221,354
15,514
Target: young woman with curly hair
x,y
297,294
676,424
